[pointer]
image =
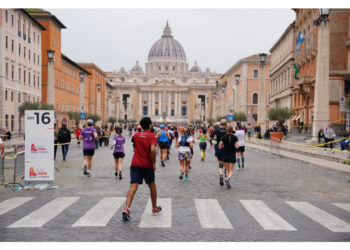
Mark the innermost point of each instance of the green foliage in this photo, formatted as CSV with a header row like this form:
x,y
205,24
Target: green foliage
x,y
280,114
210,120
347,103
219,118
112,120
122,121
34,106
93,117
239,117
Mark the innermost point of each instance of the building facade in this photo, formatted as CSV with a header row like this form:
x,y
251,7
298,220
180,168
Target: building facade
x,y
282,71
167,91
20,65
306,58
243,97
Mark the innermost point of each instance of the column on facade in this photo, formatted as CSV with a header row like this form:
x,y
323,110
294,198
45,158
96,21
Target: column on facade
x,y
153,103
179,101
149,103
140,104
245,89
262,100
169,104
176,106
160,104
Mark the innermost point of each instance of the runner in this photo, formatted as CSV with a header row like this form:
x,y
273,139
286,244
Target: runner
x,y
89,135
163,138
77,132
170,141
229,143
202,137
240,152
64,138
143,166
118,144
184,144
218,134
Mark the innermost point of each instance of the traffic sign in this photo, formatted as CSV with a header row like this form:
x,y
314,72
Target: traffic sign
x,y
342,104
82,115
229,117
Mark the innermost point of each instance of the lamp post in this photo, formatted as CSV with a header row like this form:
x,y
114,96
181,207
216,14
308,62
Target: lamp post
x,y
82,92
321,98
99,99
50,97
109,97
262,94
237,77
117,109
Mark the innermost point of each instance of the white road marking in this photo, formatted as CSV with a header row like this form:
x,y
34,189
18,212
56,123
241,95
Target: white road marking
x,y
345,206
265,216
211,215
46,213
12,203
325,219
101,213
162,220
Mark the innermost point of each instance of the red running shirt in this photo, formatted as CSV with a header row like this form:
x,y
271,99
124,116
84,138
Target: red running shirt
x,y
142,155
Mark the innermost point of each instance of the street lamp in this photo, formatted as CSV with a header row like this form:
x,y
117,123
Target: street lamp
x,y
207,99
50,54
237,78
262,93
324,13
262,57
98,86
50,94
82,91
81,76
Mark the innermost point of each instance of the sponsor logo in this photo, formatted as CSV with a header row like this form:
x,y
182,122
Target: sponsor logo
x,y
32,172
37,149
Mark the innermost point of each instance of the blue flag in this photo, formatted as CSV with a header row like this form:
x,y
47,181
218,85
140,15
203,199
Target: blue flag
x,y
300,40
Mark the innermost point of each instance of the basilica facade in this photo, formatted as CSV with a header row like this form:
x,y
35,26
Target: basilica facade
x,y
167,91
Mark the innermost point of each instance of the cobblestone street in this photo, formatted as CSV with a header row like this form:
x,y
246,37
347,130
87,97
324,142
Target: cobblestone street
x,y
272,199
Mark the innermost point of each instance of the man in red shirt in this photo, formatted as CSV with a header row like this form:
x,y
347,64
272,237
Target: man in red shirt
x,y
143,166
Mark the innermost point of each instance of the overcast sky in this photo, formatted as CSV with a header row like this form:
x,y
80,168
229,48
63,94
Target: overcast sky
x,y
215,38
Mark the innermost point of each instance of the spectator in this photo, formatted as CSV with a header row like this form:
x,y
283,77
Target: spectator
x,y
55,140
77,132
64,138
107,134
329,136
320,136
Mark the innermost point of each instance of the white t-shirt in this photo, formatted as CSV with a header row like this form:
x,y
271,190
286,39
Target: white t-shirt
x,y
184,148
240,137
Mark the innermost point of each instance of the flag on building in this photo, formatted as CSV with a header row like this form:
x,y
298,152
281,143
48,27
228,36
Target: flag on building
x,y
300,40
296,72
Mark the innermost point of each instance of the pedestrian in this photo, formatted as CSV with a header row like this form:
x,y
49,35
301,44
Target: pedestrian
x,y
329,136
55,142
77,132
2,148
98,131
320,136
64,138
100,136
143,166
163,137
229,144
119,154
185,143
217,135
249,131
203,138
240,152
89,136
107,134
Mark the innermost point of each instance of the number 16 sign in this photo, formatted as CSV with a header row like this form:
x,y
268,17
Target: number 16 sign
x,y
39,148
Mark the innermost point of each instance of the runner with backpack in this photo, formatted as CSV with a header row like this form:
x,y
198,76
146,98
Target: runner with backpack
x,y
185,143
163,137
64,138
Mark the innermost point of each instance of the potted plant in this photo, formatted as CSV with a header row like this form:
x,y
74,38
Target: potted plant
x,y
280,115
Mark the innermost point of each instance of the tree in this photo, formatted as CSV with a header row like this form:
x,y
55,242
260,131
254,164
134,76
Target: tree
x,y
112,120
219,118
93,117
34,106
280,115
210,120
74,116
239,117
122,121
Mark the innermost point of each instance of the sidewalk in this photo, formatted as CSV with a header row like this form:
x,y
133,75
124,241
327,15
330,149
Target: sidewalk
x,y
304,154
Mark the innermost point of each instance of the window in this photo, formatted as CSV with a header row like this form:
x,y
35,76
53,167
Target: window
x,y
19,49
38,60
58,44
12,45
19,74
13,72
38,82
255,98
53,42
6,95
159,68
62,83
34,80
6,120
184,111
6,15
11,96
145,110
172,112
24,52
12,20
173,68
29,54
156,112
166,68
57,83
62,106
256,74
24,76
29,78
6,42
34,57
34,36
19,97
7,70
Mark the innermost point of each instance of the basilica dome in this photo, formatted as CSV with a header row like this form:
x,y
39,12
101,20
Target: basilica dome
x,y
167,47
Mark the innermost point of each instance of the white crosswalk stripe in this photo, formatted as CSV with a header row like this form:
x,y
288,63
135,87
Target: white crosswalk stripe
x,y
46,213
265,216
325,219
12,203
162,220
345,206
211,215
101,213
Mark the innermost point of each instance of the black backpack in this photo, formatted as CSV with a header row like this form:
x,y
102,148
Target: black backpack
x,y
64,135
184,142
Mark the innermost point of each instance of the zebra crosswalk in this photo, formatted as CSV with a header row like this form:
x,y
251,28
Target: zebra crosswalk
x,y
207,214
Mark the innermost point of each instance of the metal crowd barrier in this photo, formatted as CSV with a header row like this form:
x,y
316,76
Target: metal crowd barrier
x,y
18,168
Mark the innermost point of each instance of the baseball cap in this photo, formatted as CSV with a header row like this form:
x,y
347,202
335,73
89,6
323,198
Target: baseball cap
x,y
90,122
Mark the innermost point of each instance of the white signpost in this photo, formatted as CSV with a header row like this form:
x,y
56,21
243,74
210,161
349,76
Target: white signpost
x,y
39,148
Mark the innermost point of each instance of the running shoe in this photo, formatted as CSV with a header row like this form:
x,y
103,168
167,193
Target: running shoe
x,y
85,170
116,174
181,176
88,174
157,211
120,175
126,214
242,166
186,177
228,185
189,166
221,181
202,159
163,165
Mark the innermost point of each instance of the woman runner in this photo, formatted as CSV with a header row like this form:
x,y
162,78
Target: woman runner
x,y
202,137
184,144
118,144
89,135
229,144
